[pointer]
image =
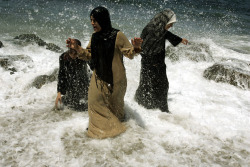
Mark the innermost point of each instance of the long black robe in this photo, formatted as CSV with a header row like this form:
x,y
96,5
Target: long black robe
x,y
153,88
73,82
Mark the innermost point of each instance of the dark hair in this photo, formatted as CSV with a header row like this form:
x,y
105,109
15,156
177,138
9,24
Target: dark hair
x,y
101,15
78,42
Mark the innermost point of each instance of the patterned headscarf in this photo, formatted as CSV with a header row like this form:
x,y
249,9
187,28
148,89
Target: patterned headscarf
x,y
153,34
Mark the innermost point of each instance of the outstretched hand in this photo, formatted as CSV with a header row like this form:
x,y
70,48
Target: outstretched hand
x,y
71,43
136,42
184,41
58,99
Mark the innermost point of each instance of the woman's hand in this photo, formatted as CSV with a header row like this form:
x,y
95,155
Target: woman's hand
x,y
184,41
136,42
58,98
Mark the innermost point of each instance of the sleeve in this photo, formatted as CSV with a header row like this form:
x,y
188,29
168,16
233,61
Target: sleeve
x,y
125,46
61,84
172,38
85,54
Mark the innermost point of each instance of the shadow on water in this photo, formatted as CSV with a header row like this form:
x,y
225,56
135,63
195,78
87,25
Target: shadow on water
x,y
132,114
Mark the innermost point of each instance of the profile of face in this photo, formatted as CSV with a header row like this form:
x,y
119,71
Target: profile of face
x,y
95,24
72,53
168,26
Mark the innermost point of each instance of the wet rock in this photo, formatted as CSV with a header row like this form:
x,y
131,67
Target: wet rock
x,y
44,79
193,51
23,58
7,61
25,39
1,44
12,70
4,63
53,47
231,71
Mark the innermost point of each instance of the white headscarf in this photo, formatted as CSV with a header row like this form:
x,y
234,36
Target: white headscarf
x,y
172,20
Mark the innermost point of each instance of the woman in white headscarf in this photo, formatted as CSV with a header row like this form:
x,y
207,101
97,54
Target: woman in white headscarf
x,y
153,88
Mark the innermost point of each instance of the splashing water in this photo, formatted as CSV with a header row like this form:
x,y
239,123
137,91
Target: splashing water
x,y
209,124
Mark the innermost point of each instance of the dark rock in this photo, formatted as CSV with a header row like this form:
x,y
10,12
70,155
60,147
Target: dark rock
x,y
26,39
4,62
193,51
7,61
231,71
44,79
12,70
1,44
30,38
53,47
23,58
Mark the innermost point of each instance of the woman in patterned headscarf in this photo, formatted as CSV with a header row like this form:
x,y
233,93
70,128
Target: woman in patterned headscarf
x,y
153,88
108,82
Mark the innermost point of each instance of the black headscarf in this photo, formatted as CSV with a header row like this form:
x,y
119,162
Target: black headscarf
x,y
153,34
103,45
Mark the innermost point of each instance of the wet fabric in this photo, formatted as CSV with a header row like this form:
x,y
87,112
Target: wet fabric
x,y
73,82
105,112
153,88
102,54
152,91
154,33
108,83
103,43
106,102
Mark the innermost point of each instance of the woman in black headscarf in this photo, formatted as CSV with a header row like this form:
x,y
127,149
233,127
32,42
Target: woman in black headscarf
x,y
153,88
108,82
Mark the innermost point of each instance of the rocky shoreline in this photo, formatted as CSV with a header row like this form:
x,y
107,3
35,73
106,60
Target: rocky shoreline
x,y
231,71
7,61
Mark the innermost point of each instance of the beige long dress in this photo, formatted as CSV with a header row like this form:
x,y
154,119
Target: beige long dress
x,y
106,105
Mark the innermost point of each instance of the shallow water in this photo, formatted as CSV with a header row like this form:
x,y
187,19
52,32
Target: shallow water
x,y
209,124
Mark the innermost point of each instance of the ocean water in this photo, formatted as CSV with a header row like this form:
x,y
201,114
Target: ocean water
x,y
209,124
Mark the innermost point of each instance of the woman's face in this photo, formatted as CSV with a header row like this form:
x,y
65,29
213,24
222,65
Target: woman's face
x,y
95,24
168,26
